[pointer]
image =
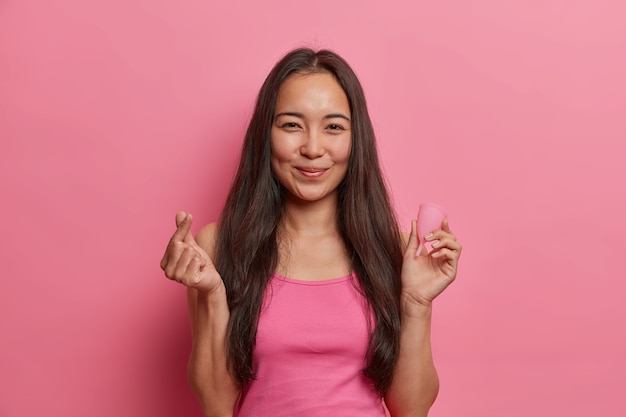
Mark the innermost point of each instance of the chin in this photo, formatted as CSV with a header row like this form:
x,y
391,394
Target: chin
x,y
315,198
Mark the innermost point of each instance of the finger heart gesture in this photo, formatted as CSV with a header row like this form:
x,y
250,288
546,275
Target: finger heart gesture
x,y
185,261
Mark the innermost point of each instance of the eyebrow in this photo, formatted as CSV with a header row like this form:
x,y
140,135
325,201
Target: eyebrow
x,y
301,116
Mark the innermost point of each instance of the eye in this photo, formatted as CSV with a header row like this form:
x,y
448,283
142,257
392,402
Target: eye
x,y
335,127
290,125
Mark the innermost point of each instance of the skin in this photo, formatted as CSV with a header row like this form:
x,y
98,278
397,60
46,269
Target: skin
x,y
311,138
310,142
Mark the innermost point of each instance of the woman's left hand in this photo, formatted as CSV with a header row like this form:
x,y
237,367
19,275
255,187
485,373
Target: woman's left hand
x,y
426,275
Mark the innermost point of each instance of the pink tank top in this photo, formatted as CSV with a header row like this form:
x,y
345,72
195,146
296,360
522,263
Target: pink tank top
x,y
310,350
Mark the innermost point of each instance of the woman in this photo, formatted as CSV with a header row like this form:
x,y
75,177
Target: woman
x,y
305,298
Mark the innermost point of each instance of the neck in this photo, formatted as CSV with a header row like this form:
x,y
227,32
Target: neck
x,y
310,218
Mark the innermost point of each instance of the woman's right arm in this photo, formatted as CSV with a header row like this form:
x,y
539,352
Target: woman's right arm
x,y
188,260
207,370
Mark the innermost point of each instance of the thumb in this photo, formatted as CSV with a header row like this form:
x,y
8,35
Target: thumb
x,y
414,246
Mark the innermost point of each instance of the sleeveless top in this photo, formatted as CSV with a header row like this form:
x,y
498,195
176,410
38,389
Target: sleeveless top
x,y
310,351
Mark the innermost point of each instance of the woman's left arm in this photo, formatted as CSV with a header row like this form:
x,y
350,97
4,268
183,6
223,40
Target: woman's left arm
x,y
424,276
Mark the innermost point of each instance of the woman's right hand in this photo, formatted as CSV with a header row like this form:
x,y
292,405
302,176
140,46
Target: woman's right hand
x,y
186,262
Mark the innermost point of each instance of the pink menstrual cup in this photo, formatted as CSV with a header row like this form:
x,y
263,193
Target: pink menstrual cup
x,y
429,218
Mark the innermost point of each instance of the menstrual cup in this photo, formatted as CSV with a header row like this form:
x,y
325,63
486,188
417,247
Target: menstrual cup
x,y
429,218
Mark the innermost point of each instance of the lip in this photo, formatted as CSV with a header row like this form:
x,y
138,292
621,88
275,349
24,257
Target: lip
x,y
311,172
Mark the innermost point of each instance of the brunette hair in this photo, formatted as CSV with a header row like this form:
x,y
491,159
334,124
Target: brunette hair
x,y
247,247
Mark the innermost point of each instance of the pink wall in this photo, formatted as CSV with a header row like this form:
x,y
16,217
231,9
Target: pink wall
x,y
116,114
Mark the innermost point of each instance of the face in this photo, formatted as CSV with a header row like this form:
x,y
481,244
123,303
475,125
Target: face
x,y
311,136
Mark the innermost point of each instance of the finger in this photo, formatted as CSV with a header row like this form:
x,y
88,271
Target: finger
x,y
182,265
173,254
193,271
446,255
192,275
447,241
445,227
413,244
180,218
176,237
439,235
183,227
420,249
163,263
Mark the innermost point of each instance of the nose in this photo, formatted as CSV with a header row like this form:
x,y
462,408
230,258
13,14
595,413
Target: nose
x,y
313,146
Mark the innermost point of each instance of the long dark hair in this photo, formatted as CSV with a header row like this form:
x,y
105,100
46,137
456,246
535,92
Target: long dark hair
x,y
247,247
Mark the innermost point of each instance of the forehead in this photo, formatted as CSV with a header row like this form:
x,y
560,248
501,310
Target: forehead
x,y
312,90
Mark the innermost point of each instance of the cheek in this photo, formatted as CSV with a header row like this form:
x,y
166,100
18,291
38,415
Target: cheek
x,y
280,148
275,164
278,158
343,150
348,151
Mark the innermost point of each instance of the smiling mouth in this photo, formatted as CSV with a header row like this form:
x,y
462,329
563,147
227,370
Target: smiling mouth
x,y
312,172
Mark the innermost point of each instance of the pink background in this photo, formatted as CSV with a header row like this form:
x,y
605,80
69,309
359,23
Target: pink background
x,y
116,114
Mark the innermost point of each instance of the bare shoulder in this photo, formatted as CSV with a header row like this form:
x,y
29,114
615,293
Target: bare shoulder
x,y
206,238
